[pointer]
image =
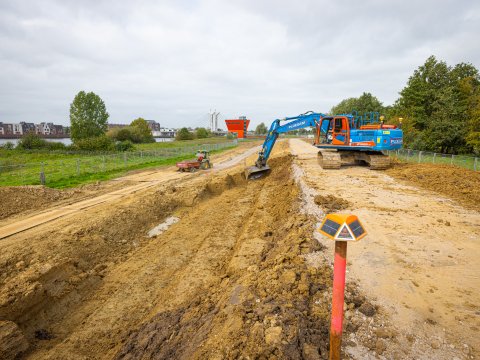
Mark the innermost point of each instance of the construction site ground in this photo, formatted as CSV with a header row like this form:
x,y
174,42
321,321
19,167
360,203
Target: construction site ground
x,y
167,265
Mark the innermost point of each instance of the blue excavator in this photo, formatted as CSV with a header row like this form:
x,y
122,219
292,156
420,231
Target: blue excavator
x,y
341,139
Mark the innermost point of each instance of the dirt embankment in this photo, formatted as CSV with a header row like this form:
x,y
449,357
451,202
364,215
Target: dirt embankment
x,y
455,182
22,200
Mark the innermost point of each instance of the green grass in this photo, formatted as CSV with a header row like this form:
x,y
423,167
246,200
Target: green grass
x,y
72,181
466,161
67,170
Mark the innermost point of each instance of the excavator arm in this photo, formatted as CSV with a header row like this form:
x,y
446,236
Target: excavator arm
x,y
308,119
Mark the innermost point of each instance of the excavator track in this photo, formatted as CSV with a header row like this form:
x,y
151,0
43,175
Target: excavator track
x,y
333,159
329,159
379,162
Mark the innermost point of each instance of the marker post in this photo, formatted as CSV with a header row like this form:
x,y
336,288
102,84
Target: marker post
x,y
341,228
336,325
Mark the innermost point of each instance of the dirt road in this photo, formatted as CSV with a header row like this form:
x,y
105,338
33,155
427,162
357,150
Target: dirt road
x,y
239,272
420,260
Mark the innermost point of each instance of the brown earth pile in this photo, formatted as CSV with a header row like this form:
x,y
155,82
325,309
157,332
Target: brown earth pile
x,y
331,203
17,199
455,182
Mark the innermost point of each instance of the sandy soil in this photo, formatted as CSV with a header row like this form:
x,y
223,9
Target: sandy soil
x,y
241,271
418,261
455,182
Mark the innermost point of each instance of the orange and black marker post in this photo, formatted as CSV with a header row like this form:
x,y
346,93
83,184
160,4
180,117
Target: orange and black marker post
x,y
341,228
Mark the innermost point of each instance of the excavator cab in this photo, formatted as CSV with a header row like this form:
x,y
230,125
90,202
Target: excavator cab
x,y
341,131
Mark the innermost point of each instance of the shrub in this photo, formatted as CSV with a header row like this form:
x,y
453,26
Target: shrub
x,y
124,145
32,141
184,134
99,143
231,136
131,133
55,145
8,146
201,133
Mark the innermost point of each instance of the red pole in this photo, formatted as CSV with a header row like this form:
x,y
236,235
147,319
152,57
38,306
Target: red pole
x,y
336,325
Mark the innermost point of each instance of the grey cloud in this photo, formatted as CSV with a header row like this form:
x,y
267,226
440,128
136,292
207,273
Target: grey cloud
x,y
174,60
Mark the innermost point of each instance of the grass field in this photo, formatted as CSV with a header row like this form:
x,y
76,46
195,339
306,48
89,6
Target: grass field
x,y
60,170
466,161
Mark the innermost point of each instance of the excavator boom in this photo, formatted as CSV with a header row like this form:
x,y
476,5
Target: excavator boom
x,y
308,119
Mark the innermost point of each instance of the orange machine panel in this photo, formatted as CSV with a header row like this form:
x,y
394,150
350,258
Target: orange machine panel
x,y
238,126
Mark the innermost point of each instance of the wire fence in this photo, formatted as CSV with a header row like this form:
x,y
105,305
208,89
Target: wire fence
x,y
466,161
66,167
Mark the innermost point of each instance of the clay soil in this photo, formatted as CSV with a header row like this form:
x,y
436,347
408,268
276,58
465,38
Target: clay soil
x,y
242,273
455,182
17,200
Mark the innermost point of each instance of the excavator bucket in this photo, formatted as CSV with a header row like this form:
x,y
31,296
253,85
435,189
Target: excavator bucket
x,y
253,172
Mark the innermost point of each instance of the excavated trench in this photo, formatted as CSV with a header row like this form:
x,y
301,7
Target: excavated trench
x,y
228,280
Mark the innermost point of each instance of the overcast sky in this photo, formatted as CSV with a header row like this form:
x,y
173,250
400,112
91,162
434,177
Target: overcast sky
x,y
173,61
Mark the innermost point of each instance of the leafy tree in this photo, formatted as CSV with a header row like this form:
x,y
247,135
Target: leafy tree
x,y
364,103
201,133
184,134
88,116
442,105
261,129
141,126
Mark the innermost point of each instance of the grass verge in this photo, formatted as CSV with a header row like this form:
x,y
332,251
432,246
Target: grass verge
x,y
68,178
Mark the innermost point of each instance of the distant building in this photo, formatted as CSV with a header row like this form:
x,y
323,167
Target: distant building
x,y
15,130
168,133
27,127
113,126
6,129
238,126
57,130
153,125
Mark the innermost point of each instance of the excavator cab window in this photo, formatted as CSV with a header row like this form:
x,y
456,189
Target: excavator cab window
x,y
326,130
340,131
338,124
